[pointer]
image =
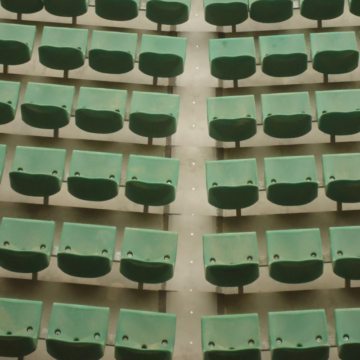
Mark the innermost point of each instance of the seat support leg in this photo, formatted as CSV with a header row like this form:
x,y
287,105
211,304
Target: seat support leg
x,y
19,16
233,28
74,20
347,283
238,212
159,27
319,24
333,139
155,81
141,286
66,74
34,276
236,83
339,206
150,141
162,298
5,69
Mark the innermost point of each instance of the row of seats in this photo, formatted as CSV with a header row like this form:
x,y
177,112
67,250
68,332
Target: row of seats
x,y
230,13
147,256
110,52
289,180
294,256
167,12
152,181
102,111
79,332
284,55
93,176
284,115
301,334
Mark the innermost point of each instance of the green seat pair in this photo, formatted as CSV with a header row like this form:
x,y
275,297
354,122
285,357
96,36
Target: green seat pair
x,y
292,335
283,55
234,184
233,118
235,58
80,332
94,176
165,12
148,256
227,13
102,111
232,259
65,8
114,53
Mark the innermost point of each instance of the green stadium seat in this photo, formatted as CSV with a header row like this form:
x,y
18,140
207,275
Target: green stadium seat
x,y
145,335
9,97
231,259
232,58
47,106
66,8
63,48
286,115
154,115
86,250
37,171
291,181
354,6
100,111
338,111
26,245
94,176
348,333
162,56
232,118
295,256
148,256
342,177
299,335
321,9
283,55
22,6
19,327
226,12
168,12
232,184
345,250
16,43
271,11
231,337
334,52
112,52
117,9
151,180
77,332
